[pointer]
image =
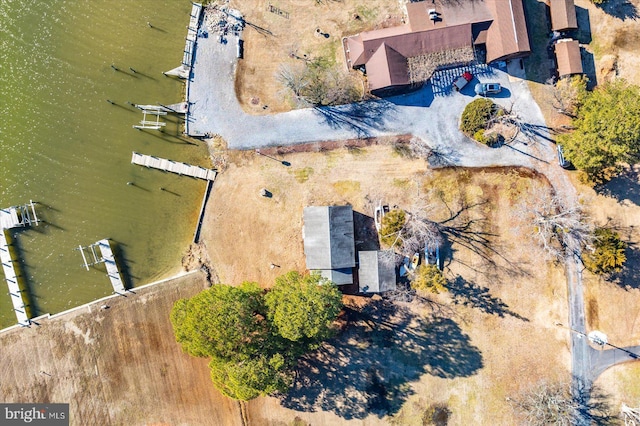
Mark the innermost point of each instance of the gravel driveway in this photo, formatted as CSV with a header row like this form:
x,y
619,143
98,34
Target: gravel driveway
x,y
432,113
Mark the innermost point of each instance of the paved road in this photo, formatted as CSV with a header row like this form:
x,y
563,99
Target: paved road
x,y
428,114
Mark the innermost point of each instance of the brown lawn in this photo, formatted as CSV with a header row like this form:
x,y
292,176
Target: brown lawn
x,y
266,51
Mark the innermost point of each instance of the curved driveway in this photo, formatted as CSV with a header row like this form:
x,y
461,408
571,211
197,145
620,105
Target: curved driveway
x,y
214,109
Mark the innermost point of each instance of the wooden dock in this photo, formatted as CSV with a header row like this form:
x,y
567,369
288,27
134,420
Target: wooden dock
x,y
192,34
112,267
173,166
14,217
12,281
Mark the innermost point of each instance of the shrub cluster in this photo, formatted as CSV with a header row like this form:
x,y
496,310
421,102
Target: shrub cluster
x,y
475,117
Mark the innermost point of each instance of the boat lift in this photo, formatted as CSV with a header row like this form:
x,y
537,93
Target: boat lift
x,y
152,110
91,250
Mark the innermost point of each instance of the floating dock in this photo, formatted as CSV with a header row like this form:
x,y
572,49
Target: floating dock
x,y
112,267
173,166
14,217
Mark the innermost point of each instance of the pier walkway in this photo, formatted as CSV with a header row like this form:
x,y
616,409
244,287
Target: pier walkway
x,y
13,217
112,267
12,281
184,70
173,166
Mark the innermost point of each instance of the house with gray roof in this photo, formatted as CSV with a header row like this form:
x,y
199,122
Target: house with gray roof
x,y
329,244
376,271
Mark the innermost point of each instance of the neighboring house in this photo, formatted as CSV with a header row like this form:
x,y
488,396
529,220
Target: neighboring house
x,y
568,57
563,15
329,244
437,34
376,272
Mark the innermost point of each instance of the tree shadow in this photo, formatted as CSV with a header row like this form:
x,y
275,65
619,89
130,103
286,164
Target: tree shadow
x,y
422,97
368,368
443,156
625,186
593,405
583,34
365,232
621,9
629,277
471,234
470,294
589,68
360,117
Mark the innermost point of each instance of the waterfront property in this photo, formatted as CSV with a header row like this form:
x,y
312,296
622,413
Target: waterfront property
x,y
72,158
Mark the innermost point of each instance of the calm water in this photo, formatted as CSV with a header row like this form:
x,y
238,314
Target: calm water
x,y
63,145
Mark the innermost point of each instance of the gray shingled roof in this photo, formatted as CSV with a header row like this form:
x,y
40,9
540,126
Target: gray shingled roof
x,y
328,237
338,276
376,272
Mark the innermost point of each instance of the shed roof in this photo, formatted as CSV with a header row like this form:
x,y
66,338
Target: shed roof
x,y
568,57
376,272
563,15
328,237
507,36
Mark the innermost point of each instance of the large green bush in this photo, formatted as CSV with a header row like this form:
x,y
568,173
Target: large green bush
x,y
255,339
476,115
607,132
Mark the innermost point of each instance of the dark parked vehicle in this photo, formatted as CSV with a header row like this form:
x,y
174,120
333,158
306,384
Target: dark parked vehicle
x,y
563,162
462,81
484,89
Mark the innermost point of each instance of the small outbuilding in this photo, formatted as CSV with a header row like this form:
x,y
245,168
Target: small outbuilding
x,y
568,57
563,15
329,244
376,271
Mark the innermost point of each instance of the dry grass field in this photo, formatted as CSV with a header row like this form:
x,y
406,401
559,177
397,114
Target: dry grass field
x,y
271,38
489,337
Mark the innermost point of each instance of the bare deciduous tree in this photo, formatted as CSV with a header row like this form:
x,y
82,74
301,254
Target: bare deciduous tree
x,y
314,85
556,403
630,415
558,228
293,79
568,94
